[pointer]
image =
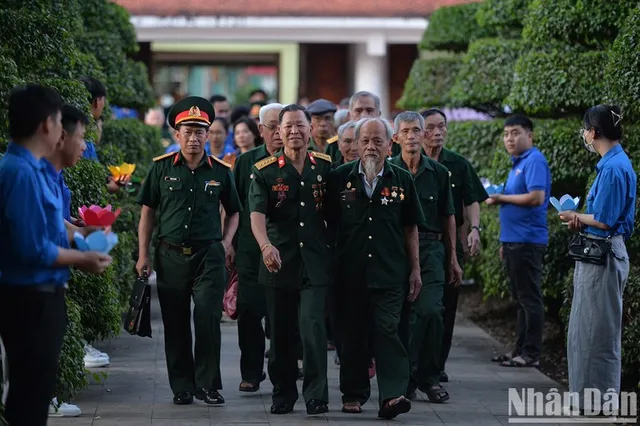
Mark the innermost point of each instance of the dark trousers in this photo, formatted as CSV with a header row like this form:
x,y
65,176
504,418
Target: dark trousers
x,y
287,335
32,327
523,262
203,277
359,308
252,309
450,298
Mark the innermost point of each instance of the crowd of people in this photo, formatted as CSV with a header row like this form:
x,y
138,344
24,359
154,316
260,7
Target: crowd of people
x,y
347,231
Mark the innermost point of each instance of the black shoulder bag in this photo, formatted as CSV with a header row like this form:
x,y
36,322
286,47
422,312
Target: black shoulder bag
x,y
590,250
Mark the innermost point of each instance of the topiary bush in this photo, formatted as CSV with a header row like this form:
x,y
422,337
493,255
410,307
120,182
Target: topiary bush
x,y
452,28
557,83
490,60
72,377
477,141
429,82
623,69
502,18
592,24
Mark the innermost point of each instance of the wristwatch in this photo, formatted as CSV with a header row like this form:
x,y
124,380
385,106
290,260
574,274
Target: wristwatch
x,y
477,227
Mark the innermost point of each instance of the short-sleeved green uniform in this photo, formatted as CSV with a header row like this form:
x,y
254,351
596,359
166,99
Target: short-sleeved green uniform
x,y
251,306
372,275
424,316
466,189
190,262
293,205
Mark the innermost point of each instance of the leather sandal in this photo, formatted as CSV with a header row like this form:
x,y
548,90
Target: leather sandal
x,y
393,407
352,408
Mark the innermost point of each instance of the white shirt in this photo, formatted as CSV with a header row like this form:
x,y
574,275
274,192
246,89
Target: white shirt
x,y
369,188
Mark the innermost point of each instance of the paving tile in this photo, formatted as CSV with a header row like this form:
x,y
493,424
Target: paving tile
x,y
136,391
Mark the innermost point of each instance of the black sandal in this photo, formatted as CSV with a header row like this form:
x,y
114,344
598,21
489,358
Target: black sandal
x,y
389,411
436,394
521,361
352,408
249,386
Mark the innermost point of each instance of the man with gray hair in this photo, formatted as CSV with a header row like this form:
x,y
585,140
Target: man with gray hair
x,y
362,104
251,304
340,117
422,324
373,213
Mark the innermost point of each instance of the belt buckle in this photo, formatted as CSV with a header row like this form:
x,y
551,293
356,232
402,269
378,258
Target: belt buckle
x,y
186,251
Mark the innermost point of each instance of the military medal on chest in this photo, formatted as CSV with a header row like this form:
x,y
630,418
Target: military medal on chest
x,y
281,189
386,193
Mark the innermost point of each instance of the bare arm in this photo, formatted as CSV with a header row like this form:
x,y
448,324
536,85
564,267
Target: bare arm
x,y
473,212
230,227
411,242
449,226
586,220
259,229
530,199
145,229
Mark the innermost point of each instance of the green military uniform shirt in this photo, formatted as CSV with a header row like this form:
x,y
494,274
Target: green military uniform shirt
x,y
188,201
466,187
434,191
293,204
247,249
370,233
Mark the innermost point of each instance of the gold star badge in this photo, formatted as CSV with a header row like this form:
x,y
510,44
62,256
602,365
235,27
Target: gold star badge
x,y
402,196
394,194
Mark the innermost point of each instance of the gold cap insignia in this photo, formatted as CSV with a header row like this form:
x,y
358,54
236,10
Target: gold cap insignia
x,y
194,111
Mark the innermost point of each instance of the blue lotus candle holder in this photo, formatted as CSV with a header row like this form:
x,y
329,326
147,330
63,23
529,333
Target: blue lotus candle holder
x,y
494,189
566,203
99,241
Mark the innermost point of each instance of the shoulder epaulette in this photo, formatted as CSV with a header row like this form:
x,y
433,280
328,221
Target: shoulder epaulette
x,y
332,140
224,163
163,156
325,157
264,163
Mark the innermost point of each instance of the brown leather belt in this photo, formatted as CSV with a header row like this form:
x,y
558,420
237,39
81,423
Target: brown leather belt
x,y
186,249
429,236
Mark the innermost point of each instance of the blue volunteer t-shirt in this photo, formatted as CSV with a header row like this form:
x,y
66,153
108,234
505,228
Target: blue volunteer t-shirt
x,y
520,224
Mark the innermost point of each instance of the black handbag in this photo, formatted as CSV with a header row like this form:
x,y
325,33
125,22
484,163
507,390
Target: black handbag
x,y
589,250
138,318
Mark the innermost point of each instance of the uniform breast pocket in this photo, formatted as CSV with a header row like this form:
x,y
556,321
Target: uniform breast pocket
x,y
173,193
208,197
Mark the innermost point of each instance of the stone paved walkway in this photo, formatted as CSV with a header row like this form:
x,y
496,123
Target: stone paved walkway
x,y
136,391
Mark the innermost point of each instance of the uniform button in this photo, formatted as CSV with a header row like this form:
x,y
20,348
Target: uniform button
x,y
302,203
193,172
189,208
301,183
370,255
301,223
453,185
301,245
191,190
186,227
171,188
370,237
370,219
431,198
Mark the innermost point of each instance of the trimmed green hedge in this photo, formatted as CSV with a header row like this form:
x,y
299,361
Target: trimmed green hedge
x,y
138,142
476,141
558,83
623,69
452,28
491,61
592,24
502,18
429,82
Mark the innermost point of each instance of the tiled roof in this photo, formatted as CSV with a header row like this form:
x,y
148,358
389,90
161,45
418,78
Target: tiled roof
x,y
333,8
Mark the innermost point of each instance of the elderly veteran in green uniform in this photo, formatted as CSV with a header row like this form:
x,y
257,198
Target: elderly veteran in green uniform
x,y
185,189
251,305
321,111
361,105
468,193
373,215
286,199
437,244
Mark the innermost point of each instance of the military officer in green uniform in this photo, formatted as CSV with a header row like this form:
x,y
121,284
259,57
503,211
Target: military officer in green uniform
x,y
437,244
321,111
286,199
185,189
373,216
251,305
347,145
468,193
361,105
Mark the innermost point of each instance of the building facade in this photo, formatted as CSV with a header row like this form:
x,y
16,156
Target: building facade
x,y
306,48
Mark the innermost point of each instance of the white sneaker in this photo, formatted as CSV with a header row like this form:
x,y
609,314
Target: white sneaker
x,y
63,410
93,358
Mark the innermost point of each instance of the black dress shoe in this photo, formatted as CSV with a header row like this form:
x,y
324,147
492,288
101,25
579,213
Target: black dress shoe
x,y
316,407
183,398
281,408
444,377
210,396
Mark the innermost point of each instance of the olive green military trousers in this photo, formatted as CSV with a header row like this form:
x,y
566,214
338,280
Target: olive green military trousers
x,y
359,307
203,277
308,306
252,308
422,321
